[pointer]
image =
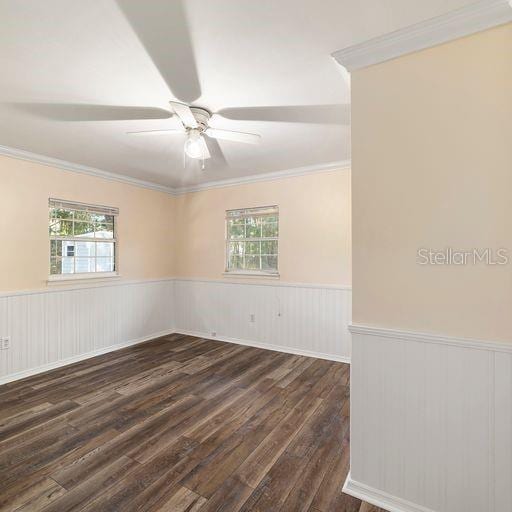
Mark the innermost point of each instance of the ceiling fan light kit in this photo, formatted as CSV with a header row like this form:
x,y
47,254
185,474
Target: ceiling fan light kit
x,y
193,148
195,145
195,125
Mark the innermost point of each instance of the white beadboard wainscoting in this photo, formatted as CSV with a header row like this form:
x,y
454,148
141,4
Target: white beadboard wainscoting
x,y
303,319
431,422
57,326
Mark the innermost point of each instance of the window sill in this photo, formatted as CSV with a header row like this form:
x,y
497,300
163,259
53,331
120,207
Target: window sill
x,y
82,278
254,275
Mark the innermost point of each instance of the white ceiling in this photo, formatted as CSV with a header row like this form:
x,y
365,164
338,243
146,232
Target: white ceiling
x,y
144,53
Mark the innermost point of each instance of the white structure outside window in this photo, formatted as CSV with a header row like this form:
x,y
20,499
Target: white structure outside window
x,y
82,240
252,239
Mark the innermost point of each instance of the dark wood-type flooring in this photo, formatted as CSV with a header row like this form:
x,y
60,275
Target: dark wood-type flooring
x,y
179,424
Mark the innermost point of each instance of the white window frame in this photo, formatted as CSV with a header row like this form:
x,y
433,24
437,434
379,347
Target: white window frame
x,y
90,208
260,211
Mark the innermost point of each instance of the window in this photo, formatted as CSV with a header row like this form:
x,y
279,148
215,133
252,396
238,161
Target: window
x,y
252,240
82,239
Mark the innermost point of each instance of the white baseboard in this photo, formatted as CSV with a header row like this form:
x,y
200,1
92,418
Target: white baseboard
x,y
267,346
80,357
75,359
379,498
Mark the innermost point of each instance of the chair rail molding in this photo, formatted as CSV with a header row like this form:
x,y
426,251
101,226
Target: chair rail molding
x,y
441,29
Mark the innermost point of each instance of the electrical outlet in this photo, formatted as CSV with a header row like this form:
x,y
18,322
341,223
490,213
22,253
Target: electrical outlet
x,y
5,343
252,318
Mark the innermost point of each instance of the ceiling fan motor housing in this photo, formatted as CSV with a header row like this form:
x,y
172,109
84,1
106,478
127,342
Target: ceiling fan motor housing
x,y
202,116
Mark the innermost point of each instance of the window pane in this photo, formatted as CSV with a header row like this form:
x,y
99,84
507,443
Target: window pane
x,y
252,248
84,229
104,264
68,265
269,247
105,249
253,227
100,218
252,263
84,249
236,248
55,247
81,216
59,213
61,228
236,228
104,230
55,266
85,265
236,263
270,229
269,262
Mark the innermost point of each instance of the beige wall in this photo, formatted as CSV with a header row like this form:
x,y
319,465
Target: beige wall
x,y
432,167
314,227
165,236
144,229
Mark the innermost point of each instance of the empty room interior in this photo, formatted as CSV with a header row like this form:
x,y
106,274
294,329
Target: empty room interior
x,y
255,256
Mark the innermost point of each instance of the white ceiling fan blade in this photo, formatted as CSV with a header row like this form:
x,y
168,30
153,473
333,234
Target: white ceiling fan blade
x,y
163,28
157,132
72,112
204,148
185,114
247,138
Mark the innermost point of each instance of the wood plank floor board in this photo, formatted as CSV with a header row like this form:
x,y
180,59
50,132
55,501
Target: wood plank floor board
x,y
123,495
88,489
11,490
43,490
259,462
179,424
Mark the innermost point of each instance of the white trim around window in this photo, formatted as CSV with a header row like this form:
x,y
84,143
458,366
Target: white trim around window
x,y
94,276
252,242
83,241
255,274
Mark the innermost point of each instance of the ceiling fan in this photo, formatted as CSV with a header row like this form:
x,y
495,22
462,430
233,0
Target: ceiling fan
x,y
163,29
195,125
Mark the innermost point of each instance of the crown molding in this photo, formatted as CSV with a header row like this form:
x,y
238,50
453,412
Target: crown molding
x,y
269,176
21,154
441,29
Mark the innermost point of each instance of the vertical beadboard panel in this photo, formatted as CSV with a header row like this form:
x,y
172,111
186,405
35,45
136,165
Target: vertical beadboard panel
x,y
431,423
311,319
4,355
54,325
503,428
51,326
